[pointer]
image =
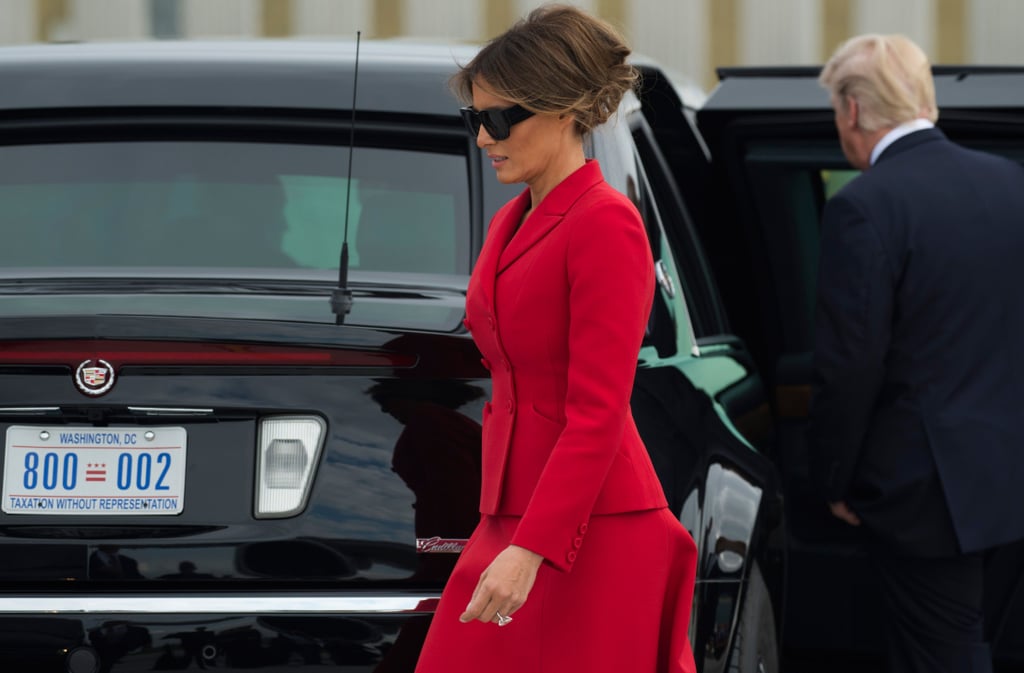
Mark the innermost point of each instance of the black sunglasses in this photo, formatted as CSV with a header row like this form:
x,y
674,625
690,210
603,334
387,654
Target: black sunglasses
x,y
498,123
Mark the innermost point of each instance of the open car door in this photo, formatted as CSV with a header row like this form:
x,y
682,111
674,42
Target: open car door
x,y
772,161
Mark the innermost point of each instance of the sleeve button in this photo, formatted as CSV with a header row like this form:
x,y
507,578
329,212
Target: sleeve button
x,y
583,529
571,557
578,542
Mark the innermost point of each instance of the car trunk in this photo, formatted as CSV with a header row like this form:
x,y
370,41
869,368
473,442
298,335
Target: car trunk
x,y
400,439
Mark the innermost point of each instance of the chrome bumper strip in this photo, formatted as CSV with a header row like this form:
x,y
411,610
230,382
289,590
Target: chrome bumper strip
x,y
212,604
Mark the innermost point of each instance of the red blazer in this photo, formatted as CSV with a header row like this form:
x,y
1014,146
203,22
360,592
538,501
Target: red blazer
x,y
558,310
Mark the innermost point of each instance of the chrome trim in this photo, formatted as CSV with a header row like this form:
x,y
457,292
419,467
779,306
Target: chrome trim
x,y
39,411
207,604
664,279
169,411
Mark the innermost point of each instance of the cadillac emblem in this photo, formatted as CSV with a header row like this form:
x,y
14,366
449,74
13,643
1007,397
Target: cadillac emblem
x,y
94,377
440,545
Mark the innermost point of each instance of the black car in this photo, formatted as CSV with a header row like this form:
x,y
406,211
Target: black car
x,y
209,462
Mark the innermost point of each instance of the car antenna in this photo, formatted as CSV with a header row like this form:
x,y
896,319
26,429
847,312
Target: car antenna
x,y
341,296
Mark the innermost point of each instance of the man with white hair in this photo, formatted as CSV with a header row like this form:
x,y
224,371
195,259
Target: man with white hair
x,y
917,428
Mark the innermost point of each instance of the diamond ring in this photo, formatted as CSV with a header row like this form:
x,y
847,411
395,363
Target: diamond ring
x,y
502,619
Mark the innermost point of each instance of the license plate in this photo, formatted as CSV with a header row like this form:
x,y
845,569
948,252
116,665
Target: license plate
x,y
97,471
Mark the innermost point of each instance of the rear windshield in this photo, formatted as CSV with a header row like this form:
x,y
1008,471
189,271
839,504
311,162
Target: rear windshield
x,y
223,205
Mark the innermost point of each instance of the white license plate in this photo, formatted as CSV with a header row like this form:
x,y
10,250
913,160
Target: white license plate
x,y
80,470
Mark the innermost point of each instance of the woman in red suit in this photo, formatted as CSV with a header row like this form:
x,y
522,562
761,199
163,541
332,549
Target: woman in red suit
x,y
576,564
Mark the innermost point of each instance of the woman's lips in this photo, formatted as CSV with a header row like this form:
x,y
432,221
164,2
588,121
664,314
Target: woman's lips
x,y
496,160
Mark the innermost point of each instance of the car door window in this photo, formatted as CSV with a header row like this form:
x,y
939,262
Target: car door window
x,y
695,282
669,329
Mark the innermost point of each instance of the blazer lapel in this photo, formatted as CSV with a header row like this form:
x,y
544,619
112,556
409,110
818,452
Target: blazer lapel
x,y
550,212
532,231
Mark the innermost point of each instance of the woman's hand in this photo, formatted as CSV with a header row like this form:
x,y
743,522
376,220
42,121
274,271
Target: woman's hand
x,y
504,585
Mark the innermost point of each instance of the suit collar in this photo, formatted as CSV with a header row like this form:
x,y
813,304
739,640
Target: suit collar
x,y
548,213
910,141
894,134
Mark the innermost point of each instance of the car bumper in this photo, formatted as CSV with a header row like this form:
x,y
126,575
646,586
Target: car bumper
x,y
124,634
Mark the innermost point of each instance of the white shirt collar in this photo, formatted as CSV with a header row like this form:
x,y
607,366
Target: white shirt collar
x,y
892,136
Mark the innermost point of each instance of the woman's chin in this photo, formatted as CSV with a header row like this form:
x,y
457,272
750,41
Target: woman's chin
x,y
506,177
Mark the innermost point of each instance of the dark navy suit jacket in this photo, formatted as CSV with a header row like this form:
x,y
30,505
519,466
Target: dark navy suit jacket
x,y
918,415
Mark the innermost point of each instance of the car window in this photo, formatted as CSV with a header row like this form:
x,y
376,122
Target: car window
x,y
696,283
782,186
232,204
788,189
669,329
789,185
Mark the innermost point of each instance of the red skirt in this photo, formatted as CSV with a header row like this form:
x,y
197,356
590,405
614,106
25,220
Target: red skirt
x,y
625,606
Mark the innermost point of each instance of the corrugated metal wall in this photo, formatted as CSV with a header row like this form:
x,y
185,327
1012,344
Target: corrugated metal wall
x,y
690,36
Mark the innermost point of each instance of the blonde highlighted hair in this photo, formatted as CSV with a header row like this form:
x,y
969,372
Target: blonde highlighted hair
x,y
888,75
557,60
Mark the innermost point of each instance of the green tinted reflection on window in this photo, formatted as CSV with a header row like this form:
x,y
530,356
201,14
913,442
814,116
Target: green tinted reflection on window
x,y
220,204
834,180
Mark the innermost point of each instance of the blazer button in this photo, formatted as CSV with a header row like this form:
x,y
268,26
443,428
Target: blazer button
x,y
571,557
490,322
509,406
486,363
578,542
506,365
583,529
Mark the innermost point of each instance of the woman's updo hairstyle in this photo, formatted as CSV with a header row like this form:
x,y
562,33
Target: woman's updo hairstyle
x,y
557,60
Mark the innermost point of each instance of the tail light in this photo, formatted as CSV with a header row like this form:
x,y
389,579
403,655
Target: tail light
x,y
288,451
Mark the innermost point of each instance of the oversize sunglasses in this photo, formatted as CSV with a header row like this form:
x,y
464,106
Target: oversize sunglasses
x,y
498,123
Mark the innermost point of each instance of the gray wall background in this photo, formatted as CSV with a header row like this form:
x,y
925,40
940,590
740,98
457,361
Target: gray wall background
x,y
689,36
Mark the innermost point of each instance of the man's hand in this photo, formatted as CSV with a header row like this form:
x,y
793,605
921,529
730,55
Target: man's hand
x,y
841,511
504,585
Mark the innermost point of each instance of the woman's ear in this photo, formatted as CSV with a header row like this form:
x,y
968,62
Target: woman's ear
x,y
567,119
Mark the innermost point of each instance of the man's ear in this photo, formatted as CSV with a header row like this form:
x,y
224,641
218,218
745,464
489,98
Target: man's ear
x,y
852,111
